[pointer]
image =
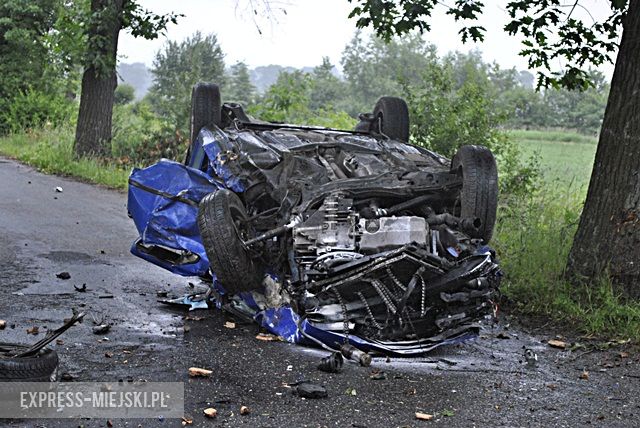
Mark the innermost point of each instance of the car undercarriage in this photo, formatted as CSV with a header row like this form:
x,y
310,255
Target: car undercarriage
x,y
362,236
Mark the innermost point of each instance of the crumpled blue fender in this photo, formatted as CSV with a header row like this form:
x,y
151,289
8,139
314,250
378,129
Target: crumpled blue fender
x,y
163,202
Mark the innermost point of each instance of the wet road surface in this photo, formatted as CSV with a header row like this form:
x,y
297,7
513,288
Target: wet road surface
x,y
85,231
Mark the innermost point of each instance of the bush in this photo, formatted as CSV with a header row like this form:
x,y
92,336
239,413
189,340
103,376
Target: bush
x,y
31,109
140,137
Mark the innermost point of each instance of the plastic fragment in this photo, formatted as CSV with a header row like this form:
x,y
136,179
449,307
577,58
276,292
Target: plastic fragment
x,y
210,412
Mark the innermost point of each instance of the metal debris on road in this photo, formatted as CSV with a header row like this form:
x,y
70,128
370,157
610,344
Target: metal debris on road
x,y
332,363
356,355
311,390
101,329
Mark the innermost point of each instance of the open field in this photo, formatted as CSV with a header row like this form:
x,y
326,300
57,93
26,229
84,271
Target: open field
x,y
566,157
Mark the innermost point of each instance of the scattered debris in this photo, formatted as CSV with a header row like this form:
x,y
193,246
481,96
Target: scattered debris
x,y
424,416
3,324
552,386
66,377
503,335
187,421
193,318
63,275
530,357
58,189
557,344
162,293
106,296
244,410
332,363
377,374
230,324
198,372
448,413
109,423
351,391
621,354
289,368
81,289
356,355
584,375
108,354
311,390
33,330
210,412
267,337
101,329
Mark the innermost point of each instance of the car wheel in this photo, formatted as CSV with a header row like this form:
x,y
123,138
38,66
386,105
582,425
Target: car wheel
x,y
479,195
38,368
206,108
222,223
393,116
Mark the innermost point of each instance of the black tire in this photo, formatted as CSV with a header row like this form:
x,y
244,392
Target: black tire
x,y
393,116
206,108
38,368
479,195
220,218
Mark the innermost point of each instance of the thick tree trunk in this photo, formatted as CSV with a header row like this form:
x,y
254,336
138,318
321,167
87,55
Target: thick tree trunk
x,y
93,131
608,237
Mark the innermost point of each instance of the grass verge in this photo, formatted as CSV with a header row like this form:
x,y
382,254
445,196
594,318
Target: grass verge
x,y
533,239
51,151
552,135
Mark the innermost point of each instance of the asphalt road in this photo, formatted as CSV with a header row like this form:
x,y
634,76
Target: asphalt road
x,y
85,231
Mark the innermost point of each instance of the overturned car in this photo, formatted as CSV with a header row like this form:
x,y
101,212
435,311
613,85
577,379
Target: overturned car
x,y
326,236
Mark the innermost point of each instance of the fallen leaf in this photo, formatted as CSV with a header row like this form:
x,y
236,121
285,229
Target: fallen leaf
x,y
33,330
424,416
210,412
448,413
244,410
552,386
557,344
196,372
230,324
267,337
584,375
3,324
622,354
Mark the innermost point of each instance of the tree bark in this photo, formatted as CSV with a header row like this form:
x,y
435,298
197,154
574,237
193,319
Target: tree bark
x,y
93,130
608,236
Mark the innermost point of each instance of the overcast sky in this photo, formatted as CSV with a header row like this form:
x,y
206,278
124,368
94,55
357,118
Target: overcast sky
x,y
311,29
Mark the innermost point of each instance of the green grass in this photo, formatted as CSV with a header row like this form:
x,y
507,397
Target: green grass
x,y
51,151
534,237
566,161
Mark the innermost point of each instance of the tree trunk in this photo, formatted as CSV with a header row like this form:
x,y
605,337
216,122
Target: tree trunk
x,y
608,236
93,131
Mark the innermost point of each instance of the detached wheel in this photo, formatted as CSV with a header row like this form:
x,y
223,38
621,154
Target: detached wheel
x,y
479,195
206,108
393,115
222,223
38,368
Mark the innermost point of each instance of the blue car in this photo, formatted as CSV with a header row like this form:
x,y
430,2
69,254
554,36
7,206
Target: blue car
x,y
323,235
